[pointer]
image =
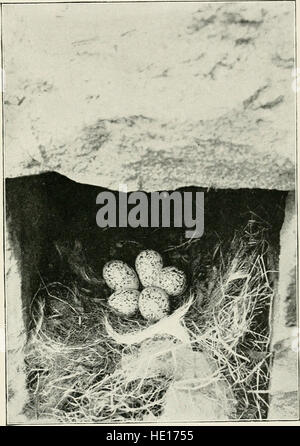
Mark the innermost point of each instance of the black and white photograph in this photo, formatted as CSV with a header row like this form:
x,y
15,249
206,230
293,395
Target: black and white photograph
x,y
150,213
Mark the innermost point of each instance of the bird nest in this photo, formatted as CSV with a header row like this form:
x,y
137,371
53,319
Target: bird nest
x,y
78,371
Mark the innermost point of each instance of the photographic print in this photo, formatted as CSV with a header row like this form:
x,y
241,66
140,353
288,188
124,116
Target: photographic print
x,y
150,212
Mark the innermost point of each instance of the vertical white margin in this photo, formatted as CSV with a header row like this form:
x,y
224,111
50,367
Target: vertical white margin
x,y
2,298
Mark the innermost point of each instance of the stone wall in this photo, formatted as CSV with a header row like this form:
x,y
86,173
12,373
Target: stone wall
x,y
16,335
154,96
284,387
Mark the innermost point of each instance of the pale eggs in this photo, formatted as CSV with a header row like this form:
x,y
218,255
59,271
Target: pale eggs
x,y
125,302
148,263
120,276
149,266
172,280
159,283
153,303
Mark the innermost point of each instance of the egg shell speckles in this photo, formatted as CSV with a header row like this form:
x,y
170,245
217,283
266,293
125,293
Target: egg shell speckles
x,y
172,280
154,303
148,263
120,276
125,302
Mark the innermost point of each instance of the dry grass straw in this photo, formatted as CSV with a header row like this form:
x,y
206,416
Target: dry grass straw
x,y
233,327
74,372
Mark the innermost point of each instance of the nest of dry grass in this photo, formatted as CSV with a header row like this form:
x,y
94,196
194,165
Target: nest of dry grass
x,y
76,371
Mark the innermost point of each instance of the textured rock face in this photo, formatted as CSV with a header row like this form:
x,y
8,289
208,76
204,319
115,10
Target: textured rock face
x,y
154,96
16,334
284,387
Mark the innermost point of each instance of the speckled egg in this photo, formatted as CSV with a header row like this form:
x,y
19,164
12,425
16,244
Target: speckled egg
x,y
125,302
120,276
148,263
172,280
153,303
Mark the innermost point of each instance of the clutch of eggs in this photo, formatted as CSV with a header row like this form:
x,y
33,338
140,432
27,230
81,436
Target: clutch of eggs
x,y
159,283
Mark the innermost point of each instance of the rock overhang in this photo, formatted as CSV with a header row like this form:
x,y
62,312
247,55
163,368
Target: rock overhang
x,y
173,96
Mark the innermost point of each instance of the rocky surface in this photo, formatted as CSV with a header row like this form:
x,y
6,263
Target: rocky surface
x,y
16,336
154,96
284,387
